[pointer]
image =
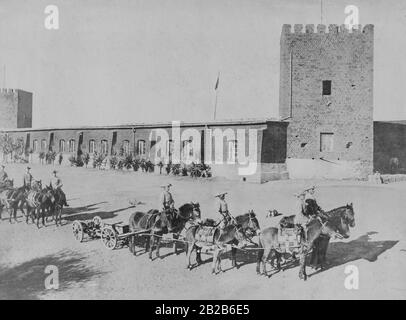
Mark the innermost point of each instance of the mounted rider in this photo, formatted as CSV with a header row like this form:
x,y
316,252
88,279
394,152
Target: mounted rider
x,y
3,174
27,178
307,209
166,205
310,200
56,185
223,210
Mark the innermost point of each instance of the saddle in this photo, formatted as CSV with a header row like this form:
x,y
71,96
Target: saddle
x,y
210,222
147,220
206,234
292,235
33,198
289,239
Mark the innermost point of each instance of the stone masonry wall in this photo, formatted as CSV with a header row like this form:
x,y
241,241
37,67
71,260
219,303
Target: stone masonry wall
x,y
346,59
8,108
24,111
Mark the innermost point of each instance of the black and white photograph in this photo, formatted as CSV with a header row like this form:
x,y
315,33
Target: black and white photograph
x,y
232,150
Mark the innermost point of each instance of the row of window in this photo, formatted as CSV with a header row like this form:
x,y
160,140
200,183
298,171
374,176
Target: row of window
x,y
92,146
71,145
187,147
326,145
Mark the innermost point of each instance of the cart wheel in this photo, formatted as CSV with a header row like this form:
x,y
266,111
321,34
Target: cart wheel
x,y
109,237
77,230
98,222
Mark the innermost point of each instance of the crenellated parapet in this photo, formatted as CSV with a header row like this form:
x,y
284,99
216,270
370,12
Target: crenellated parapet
x,y
330,29
15,108
8,90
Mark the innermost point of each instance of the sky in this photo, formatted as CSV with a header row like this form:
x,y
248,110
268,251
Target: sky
x,y
126,61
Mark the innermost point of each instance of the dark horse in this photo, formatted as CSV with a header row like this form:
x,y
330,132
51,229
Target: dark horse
x,y
8,184
56,206
334,223
152,221
12,199
244,227
38,202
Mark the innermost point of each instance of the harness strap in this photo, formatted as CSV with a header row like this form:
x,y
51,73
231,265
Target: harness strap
x,y
32,197
150,218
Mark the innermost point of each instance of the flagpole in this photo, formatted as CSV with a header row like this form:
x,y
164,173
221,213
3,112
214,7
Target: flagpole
x,y
321,11
4,76
216,89
215,107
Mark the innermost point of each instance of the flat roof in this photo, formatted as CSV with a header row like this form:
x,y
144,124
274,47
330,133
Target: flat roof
x,y
254,121
392,121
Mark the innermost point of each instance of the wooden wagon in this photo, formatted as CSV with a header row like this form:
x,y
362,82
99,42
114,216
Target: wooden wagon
x,y
117,235
92,228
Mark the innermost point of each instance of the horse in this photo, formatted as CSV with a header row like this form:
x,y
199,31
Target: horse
x,y
56,206
152,221
11,198
38,201
7,184
334,223
318,256
241,229
5,192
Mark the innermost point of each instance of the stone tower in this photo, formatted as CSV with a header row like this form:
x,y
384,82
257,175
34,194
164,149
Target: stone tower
x,y
326,94
15,109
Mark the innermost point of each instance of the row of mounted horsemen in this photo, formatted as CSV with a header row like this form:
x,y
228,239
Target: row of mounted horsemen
x,y
296,235
34,200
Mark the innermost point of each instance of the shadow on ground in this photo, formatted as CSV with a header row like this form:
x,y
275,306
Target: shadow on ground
x,y
338,253
27,280
80,215
70,211
362,248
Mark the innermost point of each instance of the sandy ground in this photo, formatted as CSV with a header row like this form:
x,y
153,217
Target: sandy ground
x,y
377,246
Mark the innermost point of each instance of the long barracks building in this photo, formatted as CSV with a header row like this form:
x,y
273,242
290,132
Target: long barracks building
x,y
325,127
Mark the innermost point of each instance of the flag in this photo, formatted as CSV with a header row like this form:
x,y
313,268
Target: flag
x,y
217,82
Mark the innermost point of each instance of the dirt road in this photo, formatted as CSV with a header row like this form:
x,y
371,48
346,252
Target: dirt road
x,y
377,246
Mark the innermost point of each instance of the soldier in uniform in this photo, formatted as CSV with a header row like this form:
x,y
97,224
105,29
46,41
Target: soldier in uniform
x,y
304,212
27,179
310,195
56,184
223,210
3,175
166,205
301,216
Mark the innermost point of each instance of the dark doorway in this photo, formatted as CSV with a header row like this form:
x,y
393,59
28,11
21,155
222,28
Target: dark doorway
x,y
51,141
80,142
27,143
113,142
202,146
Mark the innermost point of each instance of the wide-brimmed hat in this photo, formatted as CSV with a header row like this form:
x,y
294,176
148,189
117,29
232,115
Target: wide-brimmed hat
x,y
54,171
220,195
166,185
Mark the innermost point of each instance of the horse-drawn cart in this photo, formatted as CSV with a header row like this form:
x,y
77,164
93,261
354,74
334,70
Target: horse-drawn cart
x,y
117,235
112,235
90,228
